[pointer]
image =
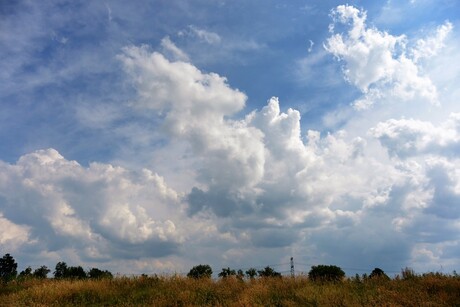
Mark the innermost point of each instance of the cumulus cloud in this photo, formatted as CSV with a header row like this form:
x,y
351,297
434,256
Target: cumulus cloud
x,y
100,210
377,63
195,107
261,183
255,181
410,137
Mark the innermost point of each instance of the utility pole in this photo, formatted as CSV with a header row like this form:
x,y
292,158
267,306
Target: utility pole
x,y
292,267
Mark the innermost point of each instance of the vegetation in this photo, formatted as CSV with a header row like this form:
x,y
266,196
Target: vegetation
x,y
233,288
422,290
268,272
200,271
326,273
378,273
8,268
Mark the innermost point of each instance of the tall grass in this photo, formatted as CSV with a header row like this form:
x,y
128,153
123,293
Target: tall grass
x,y
416,290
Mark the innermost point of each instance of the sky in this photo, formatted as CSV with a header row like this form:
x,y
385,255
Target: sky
x,y
152,136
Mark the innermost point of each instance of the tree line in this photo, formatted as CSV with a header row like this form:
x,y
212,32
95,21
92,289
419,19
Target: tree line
x,y
329,273
8,271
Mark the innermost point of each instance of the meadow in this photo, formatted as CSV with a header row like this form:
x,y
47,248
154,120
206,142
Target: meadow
x,y
433,289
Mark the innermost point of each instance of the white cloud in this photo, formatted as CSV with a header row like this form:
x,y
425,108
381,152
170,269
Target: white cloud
x,y
376,62
171,48
207,36
12,235
90,208
257,177
430,46
410,137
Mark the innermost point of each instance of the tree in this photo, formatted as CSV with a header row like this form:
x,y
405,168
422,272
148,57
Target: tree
x,y
378,273
76,272
269,272
41,272
27,272
251,273
61,270
95,273
227,272
200,271
8,268
326,273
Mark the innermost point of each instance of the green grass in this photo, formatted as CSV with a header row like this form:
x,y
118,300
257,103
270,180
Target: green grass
x,y
426,290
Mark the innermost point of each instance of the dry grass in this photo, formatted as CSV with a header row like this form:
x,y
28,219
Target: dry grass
x,y
428,290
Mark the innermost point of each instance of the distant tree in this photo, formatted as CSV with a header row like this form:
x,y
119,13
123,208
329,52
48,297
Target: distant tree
x,y
61,270
268,272
227,272
326,273
41,272
27,272
200,271
378,273
76,272
251,273
8,268
95,273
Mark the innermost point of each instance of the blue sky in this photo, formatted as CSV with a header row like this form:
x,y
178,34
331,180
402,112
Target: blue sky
x,y
154,136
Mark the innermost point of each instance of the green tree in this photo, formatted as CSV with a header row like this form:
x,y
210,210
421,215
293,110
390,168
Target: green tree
x,y
76,272
95,273
268,272
61,270
8,268
27,272
41,272
251,273
227,272
200,271
326,273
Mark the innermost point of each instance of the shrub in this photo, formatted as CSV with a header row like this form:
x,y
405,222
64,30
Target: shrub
x,y
326,273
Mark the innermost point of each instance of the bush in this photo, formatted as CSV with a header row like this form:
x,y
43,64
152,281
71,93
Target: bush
x,y
326,273
200,271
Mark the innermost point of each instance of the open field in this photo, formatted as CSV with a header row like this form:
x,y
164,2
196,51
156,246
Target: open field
x,y
426,290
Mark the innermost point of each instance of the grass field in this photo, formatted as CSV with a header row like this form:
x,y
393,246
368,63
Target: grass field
x,y
427,290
